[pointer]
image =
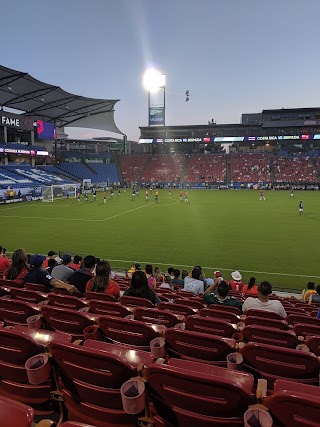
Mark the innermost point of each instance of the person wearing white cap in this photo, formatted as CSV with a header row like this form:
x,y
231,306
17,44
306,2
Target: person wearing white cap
x,y
236,282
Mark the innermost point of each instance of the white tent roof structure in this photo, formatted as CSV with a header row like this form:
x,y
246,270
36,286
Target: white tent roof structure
x,y
20,91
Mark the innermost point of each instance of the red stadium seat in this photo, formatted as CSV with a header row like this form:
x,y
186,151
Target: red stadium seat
x,y
4,291
191,302
126,331
15,413
65,320
108,308
220,314
272,336
197,346
272,362
15,312
182,309
91,381
188,394
227,308
29,296
136,302
10,283
210,325
16,348
36,287
160,317
304,329
65,301
313,342
294,405
263,313
100,296
271,323
292,319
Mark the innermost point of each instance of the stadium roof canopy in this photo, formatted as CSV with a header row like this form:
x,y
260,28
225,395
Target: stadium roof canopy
x,y
20,91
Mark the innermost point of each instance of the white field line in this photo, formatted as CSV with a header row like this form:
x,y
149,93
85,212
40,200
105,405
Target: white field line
x,y
213,268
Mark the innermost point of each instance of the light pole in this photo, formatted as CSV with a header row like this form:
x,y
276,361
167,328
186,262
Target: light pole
x,y
153,80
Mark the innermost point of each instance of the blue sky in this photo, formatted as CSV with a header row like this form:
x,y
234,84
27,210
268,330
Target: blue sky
x,y
234,56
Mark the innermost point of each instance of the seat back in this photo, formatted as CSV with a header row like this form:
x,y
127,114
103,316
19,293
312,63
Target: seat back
x,y
198,346
278,362
4,291
227,308
16,312
303,329
185,394
294,405
210,325
292,319
10,283
313,342
191,302
272,336
176,308
160,317
127,331
220,314
108,308
101,296
264,314
26,295
65,301
36,287
15,413
65,320
271,323
135,301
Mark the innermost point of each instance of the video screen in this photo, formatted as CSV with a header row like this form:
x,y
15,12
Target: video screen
x,y
46,130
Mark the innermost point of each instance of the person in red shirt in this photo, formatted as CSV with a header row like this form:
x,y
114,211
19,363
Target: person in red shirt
x,y
4,262
19,266
102,282
76,262
236,283
251,288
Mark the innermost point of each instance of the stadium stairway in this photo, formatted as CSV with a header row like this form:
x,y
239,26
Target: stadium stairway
x,y
117,163
144,169
228,168
184,170
272,175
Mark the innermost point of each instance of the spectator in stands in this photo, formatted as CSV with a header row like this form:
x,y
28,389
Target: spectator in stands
x,y
63,271
136,267
167,284
139,288
221,295
310,290
263,302
236,283
81,277
315,298
102,282
149,273
76,264
19,266
194,283
39,275
251,287
157,275
51,255
176,280
170,271
184,274
4,262
51,264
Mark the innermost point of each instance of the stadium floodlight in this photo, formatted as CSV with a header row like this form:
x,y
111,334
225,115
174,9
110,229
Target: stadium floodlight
x,y
153,80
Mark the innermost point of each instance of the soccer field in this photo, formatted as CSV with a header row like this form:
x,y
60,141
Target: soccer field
x,y
219,230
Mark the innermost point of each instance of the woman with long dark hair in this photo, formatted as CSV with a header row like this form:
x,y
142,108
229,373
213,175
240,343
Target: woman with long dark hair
x,y
251,288
19,266
102,282
140,288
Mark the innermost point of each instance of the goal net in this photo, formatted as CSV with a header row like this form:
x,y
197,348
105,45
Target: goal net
x,y
54,192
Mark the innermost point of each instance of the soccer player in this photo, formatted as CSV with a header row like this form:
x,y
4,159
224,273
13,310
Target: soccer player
x,y
180,196
94,194
170,190
147,195
291,195
300,208
104,197
112,193
186,197
119,193
157,196
79,195
86,197
133,195
262,195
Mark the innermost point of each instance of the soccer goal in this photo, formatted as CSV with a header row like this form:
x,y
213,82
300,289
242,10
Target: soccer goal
x,y
54,192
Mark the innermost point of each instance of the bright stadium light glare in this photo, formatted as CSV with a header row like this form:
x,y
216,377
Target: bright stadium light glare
x,y
153,80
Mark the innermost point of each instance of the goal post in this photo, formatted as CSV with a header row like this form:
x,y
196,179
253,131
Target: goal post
x,y
63,191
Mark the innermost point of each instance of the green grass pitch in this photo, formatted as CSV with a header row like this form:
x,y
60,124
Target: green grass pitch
x,y
223,230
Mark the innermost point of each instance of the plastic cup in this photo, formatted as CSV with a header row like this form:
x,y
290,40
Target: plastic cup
x,y
157,346
38,369
133,395
257,417
91,332
235,361
34,322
